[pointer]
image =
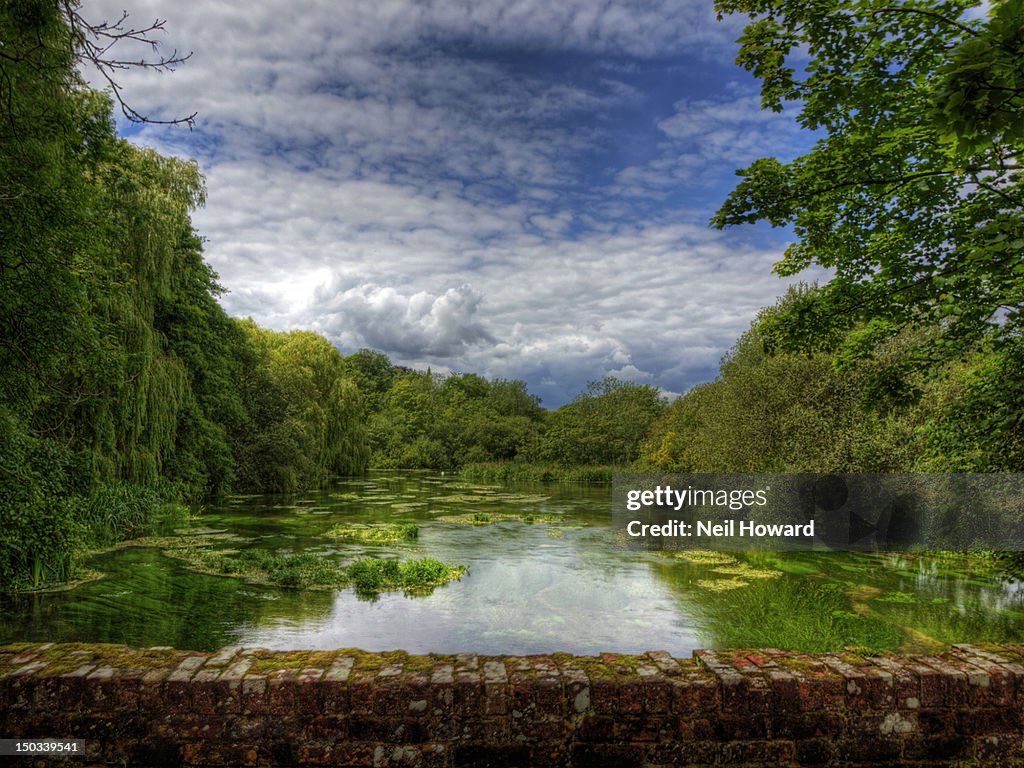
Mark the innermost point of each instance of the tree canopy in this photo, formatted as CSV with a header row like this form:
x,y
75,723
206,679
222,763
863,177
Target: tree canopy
x,y
123,384
913,195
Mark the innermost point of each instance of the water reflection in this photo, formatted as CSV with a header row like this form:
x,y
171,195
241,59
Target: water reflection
x,y
530,589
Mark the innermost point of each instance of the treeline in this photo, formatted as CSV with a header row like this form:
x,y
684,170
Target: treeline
x,y
125,390
123,384
783,411
416,419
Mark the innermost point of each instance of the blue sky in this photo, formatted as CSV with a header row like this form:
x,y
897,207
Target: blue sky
x,y
506,188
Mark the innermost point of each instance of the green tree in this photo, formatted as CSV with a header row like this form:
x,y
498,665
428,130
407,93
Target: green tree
x,y
123,384
306,414
913,195
374,374
785,412
978,422
604,425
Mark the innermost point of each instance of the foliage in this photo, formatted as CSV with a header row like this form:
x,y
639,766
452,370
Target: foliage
x,y
117,511
913,196
424,421
420,420
979,425
373,373
603,426
305,570
375,534
32,473
419,576
788,412
981,96
306,416
298,571
521,471
123,384
777,613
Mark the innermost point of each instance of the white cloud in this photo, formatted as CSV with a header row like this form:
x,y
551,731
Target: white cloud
x,y
704,139
415,325
443,180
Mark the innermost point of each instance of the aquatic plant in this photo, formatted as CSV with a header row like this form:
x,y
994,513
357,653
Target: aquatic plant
x,y
309,570
374,533
486,518
520,471
372,575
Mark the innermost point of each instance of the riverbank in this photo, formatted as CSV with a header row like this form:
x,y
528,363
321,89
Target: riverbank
x,y
523,472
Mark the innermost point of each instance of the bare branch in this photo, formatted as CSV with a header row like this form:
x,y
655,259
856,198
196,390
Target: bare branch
x,y
94,41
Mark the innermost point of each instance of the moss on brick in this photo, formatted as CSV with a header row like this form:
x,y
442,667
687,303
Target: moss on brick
x,y
698,715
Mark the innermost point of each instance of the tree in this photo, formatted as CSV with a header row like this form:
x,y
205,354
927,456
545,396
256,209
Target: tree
x,y
914,195
784,412
307,418
79,42
604,425
374,374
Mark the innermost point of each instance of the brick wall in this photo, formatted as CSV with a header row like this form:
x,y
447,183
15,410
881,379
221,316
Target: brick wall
x,y
239,707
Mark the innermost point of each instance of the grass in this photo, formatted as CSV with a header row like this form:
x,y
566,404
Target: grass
x,y
486,518
374,534
512,471
294,570
368,576
119,511
420,576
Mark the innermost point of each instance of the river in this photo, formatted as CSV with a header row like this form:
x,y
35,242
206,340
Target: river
x,y
566,585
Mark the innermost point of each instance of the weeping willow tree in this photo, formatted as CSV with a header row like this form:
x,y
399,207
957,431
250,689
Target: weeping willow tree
x,y
307,415
130,388
123,383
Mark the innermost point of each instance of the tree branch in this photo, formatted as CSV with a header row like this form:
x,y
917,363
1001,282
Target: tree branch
x,y
931,14
94,42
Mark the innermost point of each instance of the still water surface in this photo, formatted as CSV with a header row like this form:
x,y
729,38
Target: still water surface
x,y
534,588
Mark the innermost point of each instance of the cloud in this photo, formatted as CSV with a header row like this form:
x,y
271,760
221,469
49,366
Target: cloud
x,y
414,325
703,140
518,189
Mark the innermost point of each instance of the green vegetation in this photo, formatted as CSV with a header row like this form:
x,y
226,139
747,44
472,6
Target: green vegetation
x,y
910,357
790,412
603,426
123,385
486,518
913,198
306,570
793,613
375,534
774,410
126,391
527,472
418,577
496,431
421,421
297,570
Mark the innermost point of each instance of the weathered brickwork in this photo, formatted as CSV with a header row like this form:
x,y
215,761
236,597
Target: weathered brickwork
x,y
252,707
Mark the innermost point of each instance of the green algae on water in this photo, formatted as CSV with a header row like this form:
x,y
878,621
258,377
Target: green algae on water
x,y
371,533
487,518
308,570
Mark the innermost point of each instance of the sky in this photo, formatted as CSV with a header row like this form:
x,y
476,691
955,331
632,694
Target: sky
x,y
515,188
